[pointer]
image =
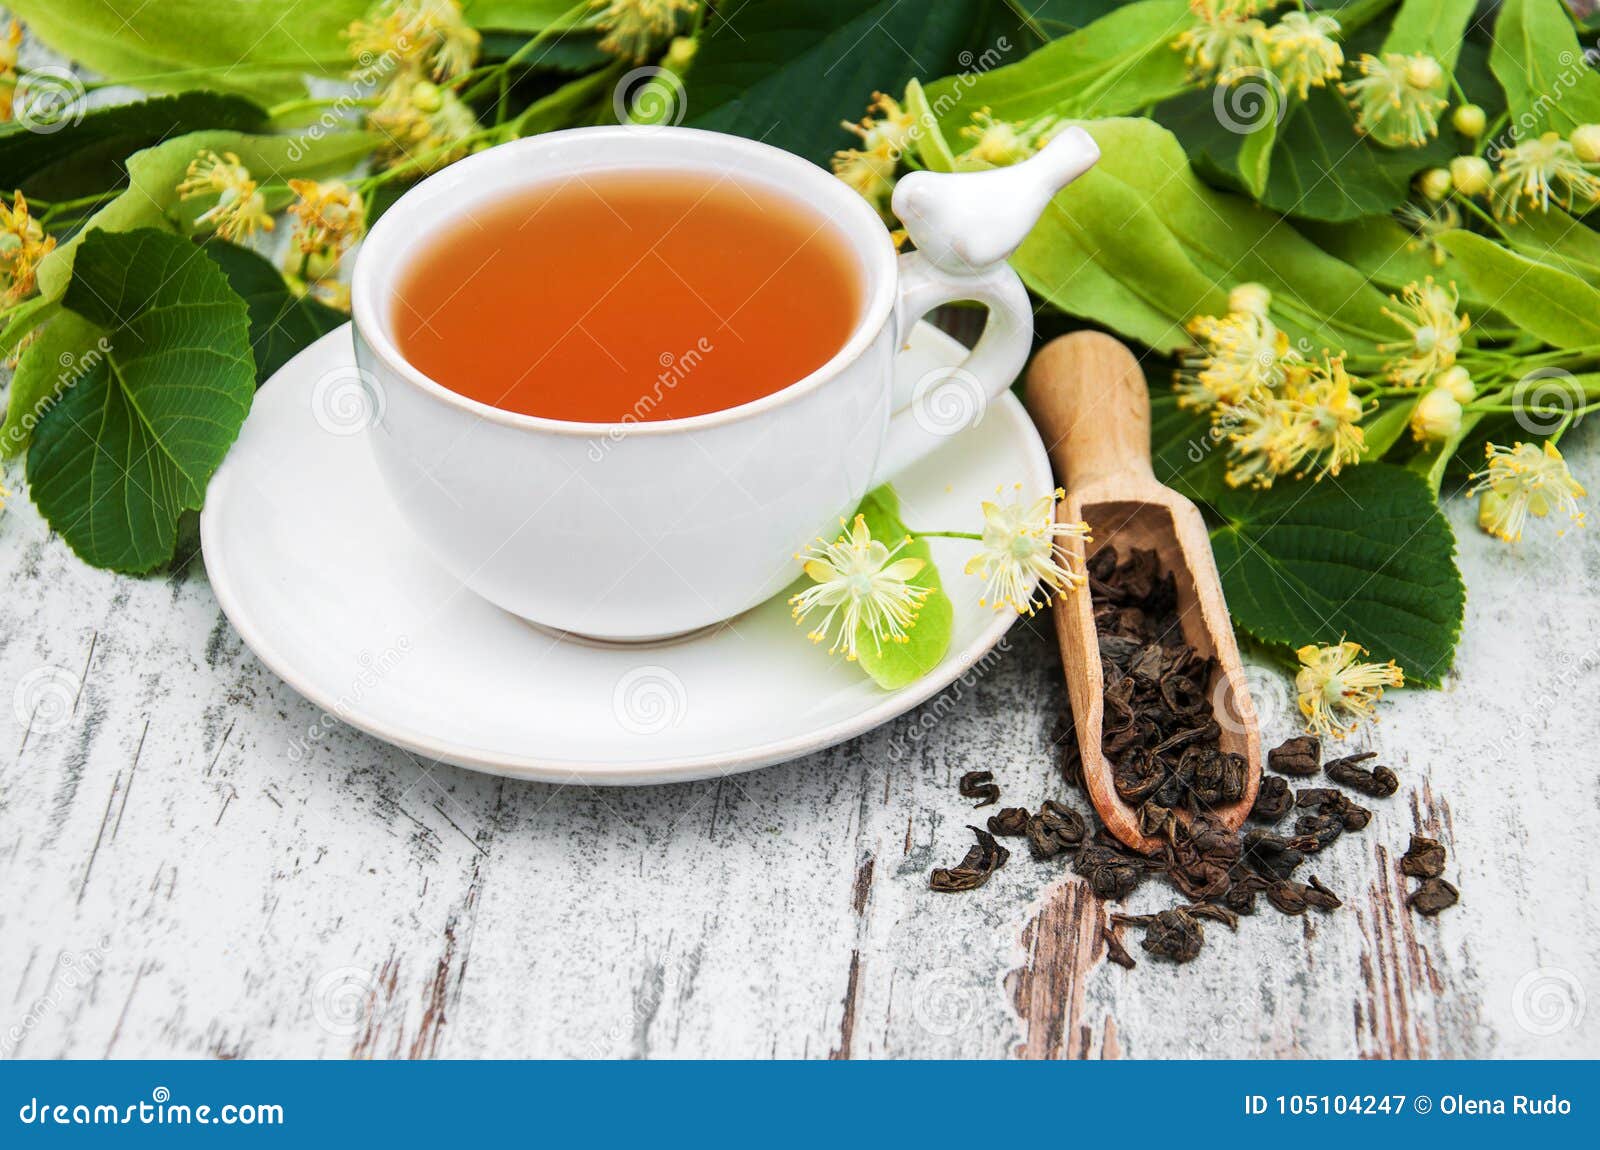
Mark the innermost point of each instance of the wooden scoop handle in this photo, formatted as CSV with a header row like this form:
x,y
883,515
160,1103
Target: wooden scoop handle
x,y
1087,396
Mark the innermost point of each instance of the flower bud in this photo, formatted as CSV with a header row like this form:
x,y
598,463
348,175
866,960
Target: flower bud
x,y
1458,382
1423,72
1437,416
1469,120
425,96
679,53
1434,184
1470,175
1250,298
1585,140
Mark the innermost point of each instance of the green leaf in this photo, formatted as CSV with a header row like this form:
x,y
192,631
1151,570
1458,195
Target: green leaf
x,y
1187,453
154,174
1436,27
53,360
1557,307
571,103
86,156
1365,556
1383,428
893,665
1538,60
133,441
1140,245
1120,63
1555,238
787,72
933,150
281,323
258,48
1391,256
528,15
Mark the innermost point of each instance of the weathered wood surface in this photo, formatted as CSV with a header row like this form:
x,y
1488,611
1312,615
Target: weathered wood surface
x,y
173,883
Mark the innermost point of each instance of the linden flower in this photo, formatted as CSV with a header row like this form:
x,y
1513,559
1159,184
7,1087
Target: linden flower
x,y
1437,416
1542,170
1000,143
1398,98
861,584
23,245
1426,224
1303,51
1224,40
634,27
1523,480
1236,355
1336,692
424,123
8,70
1429,314
240,209
1313,428
1021,555
330,216
870,169
886,128
430,36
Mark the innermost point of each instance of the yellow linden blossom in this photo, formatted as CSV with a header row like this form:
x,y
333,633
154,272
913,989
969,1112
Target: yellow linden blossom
x,y
1000,143
1312,428
1336,692
8,70
1224,39
1397,99
240,209
1429,314
1426,224
330,216
1523,480
424,123
23,245
861,584
885,132
633,28
1542,170
1021,556
1236,356
428,36
1303,51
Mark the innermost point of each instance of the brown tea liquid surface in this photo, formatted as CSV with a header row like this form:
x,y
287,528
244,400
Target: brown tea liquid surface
x,y
652,296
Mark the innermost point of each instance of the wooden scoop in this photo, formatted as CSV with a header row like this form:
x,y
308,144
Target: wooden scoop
x,y
1087,395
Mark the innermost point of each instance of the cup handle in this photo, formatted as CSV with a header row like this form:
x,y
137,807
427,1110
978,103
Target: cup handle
x,y
946,401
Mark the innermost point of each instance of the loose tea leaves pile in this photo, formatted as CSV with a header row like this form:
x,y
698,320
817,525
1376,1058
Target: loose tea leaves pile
x,y
1162,741
1158,732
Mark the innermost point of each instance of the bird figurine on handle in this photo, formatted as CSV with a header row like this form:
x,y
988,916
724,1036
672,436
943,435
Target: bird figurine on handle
x,y
966,221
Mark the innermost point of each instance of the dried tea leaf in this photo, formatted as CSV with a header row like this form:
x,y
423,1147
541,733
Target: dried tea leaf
x,y
1379,782
1425,858
1298,756
974,870
1116,952
1171,934
1273,800
1011,821
980,785
1434,895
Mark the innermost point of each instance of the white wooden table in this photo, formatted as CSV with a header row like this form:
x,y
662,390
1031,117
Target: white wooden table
x,y
174,883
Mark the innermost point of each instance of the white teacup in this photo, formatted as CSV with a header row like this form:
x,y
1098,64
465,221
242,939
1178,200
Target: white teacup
x,y
643,529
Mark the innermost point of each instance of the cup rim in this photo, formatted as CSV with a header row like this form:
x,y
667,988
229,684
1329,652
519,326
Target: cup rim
x,y
853,215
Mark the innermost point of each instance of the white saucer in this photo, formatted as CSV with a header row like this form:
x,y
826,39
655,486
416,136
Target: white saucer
x,y
318,574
